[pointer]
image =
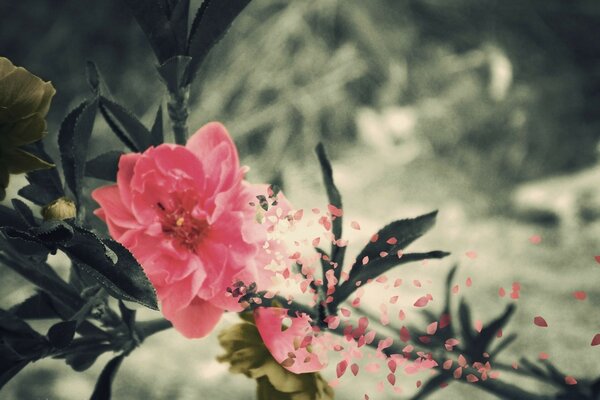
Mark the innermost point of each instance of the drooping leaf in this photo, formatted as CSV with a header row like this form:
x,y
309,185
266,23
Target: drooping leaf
x,y
112,265
105,166
62,333
124,123
335,199
73,139
211,22
103,388
157,132
18,336
152,18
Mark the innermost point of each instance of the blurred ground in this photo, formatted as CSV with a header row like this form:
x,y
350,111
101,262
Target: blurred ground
x,y
423,105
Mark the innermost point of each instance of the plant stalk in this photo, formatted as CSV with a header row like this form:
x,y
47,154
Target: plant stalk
x,y
177,107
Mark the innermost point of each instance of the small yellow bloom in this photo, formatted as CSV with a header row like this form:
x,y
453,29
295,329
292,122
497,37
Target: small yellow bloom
x,y
247,354
59,209
24,103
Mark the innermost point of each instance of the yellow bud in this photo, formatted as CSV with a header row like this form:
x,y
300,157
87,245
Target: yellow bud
x,y
59,209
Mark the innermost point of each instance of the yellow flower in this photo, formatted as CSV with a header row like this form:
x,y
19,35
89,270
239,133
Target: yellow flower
x,y
247,354
59,209
24,103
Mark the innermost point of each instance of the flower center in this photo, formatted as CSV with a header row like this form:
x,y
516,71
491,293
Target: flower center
x,y
182,226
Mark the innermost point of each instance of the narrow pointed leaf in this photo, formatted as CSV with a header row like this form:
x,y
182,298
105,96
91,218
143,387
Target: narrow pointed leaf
x,y
153,20
105,166
211,22
45,185
335,199
157,132
126,123
103,388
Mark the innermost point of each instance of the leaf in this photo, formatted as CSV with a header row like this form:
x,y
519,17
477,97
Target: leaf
x,y
73,139
85,358
395,236
174,72
95,80
179,20
45,185
10,368
54,231
17,335
464,316
153,20
211,22
24,212
38,306
157,133
103,388
24,243
10,218
62,333
125,124
431,386
488,333
377,267
113,266
105,166
335,199
128,316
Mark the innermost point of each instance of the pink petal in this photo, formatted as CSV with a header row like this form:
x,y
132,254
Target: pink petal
x,y
196,320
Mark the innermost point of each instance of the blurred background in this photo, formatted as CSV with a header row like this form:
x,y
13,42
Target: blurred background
x,y
484,109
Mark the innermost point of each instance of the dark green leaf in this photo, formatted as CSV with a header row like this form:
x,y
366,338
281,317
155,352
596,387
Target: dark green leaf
x,y
24,243
19,337
95,80
464,316
402,233
54,231
9,368
335,199
105,166
125,123
431,386
377,267
154,21
113,266
210,24
73,141
103,388
45,185
62,333
24,212
128,316
85,358
157,133
174,72
178,16
10,218
38,306
488,333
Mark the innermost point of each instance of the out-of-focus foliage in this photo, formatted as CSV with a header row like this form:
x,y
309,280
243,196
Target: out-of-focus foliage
x,y
506,89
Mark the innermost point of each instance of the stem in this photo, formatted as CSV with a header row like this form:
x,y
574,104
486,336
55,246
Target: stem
x,y
178,112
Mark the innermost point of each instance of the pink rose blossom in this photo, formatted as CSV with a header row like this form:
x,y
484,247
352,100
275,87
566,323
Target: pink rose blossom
x,y
184,213
295,348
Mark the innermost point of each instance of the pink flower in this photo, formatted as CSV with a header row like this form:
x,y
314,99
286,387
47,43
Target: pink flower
x,y
292,345
184,213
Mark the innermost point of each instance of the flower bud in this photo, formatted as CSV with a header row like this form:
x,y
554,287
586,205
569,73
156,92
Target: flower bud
x,y
59,209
